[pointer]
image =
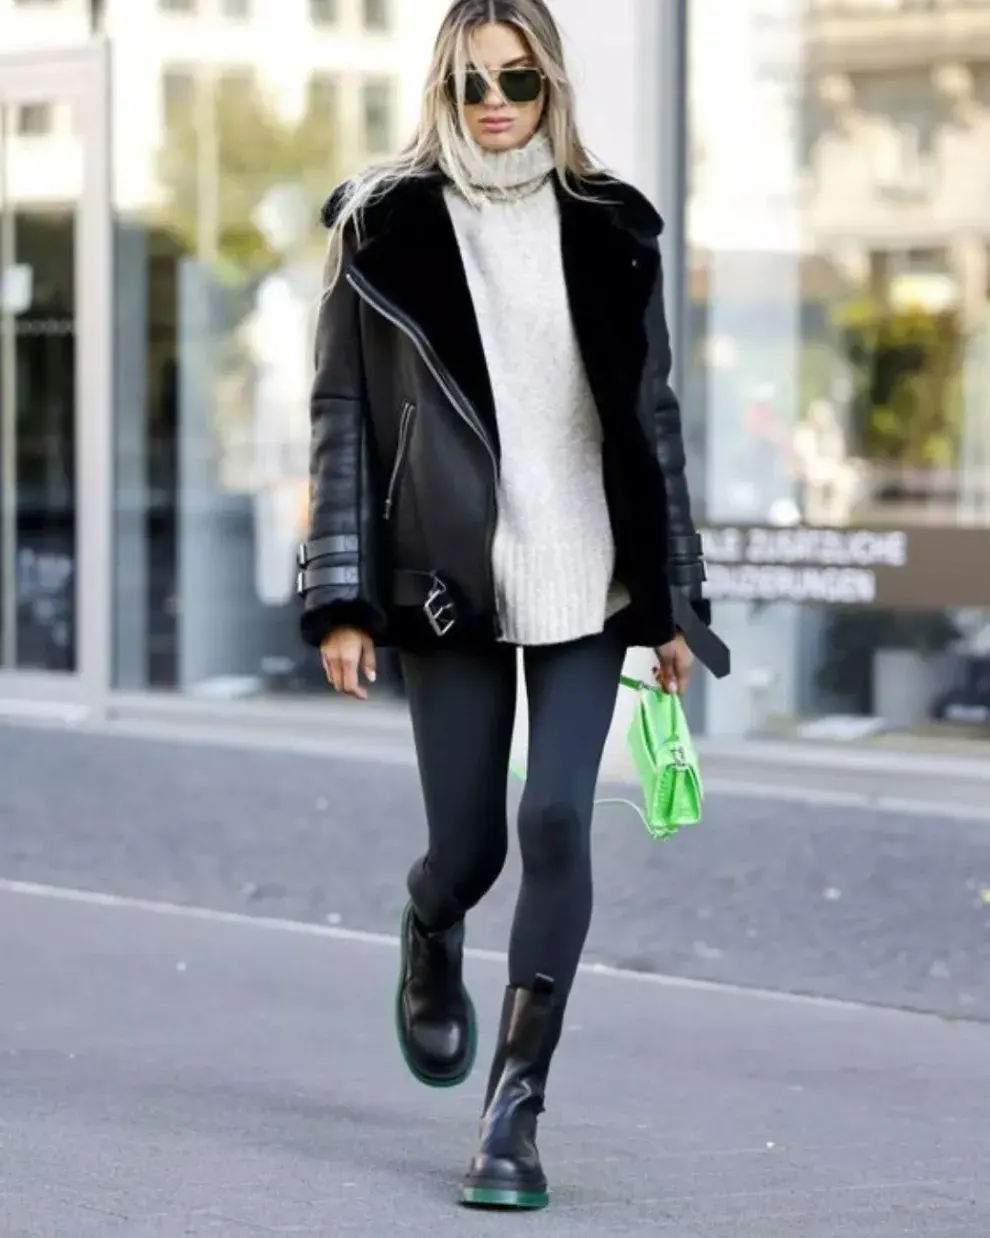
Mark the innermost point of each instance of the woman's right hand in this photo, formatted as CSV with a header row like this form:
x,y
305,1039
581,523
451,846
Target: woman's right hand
x,y
346,653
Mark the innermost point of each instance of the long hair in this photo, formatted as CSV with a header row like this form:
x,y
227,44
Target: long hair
x,y
442,138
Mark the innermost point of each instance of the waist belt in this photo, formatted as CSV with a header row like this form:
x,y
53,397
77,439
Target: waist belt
x,y
702,641
427,592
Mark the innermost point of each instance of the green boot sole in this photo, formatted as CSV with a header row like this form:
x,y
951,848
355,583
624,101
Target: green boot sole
x,y
431,1081
492,1197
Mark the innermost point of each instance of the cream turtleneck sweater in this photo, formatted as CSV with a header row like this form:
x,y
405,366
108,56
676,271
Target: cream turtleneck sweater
x,y
553,554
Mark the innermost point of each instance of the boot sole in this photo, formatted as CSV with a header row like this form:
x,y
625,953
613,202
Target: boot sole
x,y
431,1081
502,1197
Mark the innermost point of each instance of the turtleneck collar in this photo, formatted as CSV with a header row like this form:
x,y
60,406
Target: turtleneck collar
x,y
512,173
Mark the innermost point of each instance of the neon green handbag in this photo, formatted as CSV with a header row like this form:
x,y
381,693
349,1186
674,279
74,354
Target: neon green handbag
x,y
666,761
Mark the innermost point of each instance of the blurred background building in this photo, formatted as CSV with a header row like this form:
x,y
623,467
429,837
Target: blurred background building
x,y
824,168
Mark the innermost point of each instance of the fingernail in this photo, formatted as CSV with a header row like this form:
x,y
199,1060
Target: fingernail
x,y
372,677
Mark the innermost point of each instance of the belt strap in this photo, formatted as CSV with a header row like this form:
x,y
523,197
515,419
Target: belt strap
x,y
702,641
411,588
428,593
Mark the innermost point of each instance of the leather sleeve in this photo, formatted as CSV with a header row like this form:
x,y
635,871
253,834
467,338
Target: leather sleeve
x,y
685,560
338,572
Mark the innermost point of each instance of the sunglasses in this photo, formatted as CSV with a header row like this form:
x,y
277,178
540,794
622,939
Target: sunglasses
x,y
515,85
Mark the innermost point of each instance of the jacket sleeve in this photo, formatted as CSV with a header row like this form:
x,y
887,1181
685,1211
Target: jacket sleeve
x,y
685,559
338,570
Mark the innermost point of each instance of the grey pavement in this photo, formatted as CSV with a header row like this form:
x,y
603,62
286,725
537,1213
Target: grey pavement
x,y
873,906
163,1077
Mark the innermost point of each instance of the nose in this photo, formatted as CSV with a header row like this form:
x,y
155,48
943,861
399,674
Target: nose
x,y
494,98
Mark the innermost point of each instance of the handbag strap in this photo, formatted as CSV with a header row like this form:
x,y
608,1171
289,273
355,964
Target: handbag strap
x,y
637,685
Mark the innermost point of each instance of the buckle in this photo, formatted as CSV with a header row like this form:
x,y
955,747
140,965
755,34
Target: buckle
x,y
441,614
301,559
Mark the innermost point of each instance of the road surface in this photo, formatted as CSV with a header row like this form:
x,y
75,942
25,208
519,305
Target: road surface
x,y
197,963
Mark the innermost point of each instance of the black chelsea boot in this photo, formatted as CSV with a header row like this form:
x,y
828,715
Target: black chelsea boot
x,y
434,1015
506,1171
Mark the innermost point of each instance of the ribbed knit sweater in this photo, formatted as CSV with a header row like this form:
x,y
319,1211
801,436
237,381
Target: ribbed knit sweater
x,y
553,553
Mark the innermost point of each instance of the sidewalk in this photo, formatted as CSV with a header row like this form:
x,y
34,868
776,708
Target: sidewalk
x,y
165,1076
920,778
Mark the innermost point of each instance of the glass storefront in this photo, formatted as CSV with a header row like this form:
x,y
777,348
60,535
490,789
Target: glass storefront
x,y
55,275
834,358
247,120
837,360
37,396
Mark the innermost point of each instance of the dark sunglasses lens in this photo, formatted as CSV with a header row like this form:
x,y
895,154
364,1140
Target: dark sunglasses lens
x,y
521,85
475,87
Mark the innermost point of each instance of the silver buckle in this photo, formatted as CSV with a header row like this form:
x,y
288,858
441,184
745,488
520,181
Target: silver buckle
x,y
439,609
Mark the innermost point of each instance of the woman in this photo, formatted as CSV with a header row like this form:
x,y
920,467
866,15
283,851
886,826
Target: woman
x,y
497,463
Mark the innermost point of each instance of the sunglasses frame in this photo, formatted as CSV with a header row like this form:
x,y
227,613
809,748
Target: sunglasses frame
x,y
496,77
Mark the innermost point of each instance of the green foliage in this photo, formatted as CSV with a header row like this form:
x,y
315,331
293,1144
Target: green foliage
x,y
906,366
253,148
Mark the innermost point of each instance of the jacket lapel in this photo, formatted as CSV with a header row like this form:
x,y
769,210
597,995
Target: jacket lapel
x,y
610,274
412,257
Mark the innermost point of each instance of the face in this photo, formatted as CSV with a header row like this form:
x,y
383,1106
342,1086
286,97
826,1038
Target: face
x,y
497,122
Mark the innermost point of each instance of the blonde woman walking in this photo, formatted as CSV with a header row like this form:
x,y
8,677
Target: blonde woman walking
x,y
497,464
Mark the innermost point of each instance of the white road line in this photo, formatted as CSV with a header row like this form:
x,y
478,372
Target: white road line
x,y
118,902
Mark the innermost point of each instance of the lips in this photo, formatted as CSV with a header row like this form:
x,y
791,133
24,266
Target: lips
x,y
496,123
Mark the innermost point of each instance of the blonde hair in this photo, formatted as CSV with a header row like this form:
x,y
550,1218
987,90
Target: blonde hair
x,y
442,138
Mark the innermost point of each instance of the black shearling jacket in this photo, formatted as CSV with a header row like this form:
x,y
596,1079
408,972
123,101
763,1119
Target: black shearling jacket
x,y
405,451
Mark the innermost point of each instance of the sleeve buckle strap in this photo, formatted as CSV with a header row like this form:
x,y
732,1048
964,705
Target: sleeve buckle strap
x,y
685,546
326,578
439,608
325,547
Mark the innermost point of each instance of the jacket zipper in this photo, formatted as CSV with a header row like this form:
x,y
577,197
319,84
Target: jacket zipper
x,y
368,293
405,425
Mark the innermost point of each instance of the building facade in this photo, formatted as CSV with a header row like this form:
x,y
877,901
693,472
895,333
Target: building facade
x,y
824,169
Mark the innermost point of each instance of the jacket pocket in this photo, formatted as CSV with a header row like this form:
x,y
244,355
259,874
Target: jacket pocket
x,y
405,432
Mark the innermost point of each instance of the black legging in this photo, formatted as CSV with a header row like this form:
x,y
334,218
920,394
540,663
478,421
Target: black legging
x,y
463,707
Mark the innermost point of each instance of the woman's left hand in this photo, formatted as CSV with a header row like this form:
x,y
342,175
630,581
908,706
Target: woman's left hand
x,y
675,662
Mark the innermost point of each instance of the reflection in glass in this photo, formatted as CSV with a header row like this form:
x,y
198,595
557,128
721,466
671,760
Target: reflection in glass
x,y
840,290
838,359
213,422
37,391
218,271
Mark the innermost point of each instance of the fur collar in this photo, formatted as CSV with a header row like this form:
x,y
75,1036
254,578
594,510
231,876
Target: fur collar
x,y
619,202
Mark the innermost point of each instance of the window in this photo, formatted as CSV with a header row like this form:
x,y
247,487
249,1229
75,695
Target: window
x,y
178,89
323,95
324,12
35,120
376,14
376,111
